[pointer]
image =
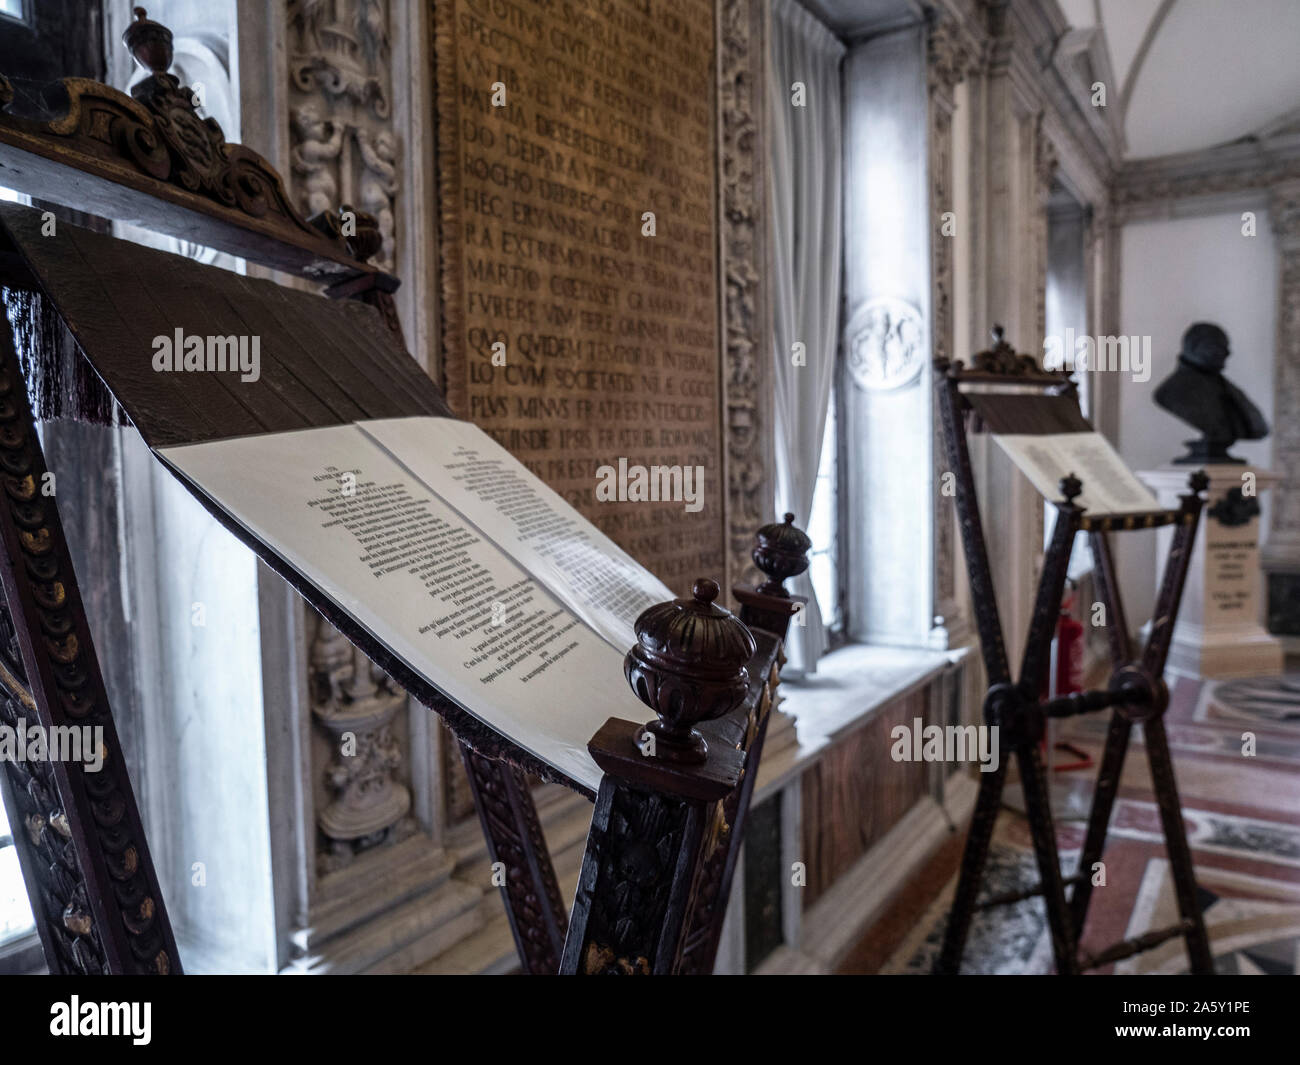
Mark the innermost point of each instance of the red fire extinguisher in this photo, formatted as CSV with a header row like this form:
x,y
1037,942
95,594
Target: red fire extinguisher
x,y
1066,674
1069,650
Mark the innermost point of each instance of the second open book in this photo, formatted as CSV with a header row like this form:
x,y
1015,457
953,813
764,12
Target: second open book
x,y
453,554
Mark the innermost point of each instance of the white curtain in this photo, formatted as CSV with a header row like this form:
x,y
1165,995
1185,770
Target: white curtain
x,y
806,197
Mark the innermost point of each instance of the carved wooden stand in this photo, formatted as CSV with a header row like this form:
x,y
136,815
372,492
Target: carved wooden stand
x,y
695,811
670,813
642,907
1136,692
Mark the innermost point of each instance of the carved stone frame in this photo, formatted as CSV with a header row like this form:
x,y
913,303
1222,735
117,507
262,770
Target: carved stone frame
x,y
743,261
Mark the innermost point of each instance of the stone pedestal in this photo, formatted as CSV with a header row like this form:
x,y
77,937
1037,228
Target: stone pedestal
x,y
1219,632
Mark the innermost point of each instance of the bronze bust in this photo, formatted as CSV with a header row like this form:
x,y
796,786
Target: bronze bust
x,y
1198,394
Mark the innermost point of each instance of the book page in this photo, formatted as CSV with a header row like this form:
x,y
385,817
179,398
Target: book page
x,y
424,582
1109,486
580,565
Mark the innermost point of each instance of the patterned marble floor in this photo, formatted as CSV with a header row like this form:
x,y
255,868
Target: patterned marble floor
x,y
1236,750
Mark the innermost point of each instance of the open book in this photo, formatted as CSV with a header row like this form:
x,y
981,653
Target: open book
x,y
461,561
1048,438
1109,486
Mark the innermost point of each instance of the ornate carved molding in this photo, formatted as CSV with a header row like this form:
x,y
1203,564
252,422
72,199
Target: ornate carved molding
x,y
951,57
1284,214
1045,165
1045,158
742,221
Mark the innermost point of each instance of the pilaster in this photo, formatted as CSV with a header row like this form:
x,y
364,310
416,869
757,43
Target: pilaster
x,y
1281,554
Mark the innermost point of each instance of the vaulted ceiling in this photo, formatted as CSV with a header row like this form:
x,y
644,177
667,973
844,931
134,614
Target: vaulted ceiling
x,y
1195,73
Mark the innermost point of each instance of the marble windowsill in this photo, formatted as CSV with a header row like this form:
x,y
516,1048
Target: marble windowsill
x,y
851,684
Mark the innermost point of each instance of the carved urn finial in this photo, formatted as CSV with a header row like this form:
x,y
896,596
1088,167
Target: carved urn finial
x,y
149,42
1071,487
688,666
780,551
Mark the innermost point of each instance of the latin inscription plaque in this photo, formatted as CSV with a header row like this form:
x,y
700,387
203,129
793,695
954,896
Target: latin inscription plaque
x,y
578,235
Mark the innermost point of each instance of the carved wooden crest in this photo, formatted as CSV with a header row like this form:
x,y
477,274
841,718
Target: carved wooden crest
x,y
155,142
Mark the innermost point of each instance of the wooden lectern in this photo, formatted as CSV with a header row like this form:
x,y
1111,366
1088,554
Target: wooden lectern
x,y
1011,393
667,829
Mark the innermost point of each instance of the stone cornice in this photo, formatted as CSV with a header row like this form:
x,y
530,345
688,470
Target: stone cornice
x,y
1030,43
1284,213
1207,181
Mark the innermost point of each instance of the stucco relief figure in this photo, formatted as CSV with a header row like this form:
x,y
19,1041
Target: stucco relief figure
x,y
1198,394
379,183
320,141
884,341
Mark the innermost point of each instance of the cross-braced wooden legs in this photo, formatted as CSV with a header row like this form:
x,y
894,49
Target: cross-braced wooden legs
x,y
1163,782
1051,884
1103,801
1138,694
1038,810
1180,854
987,804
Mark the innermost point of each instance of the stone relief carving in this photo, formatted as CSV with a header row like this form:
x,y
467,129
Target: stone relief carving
x,y
884,343
1284,214
314,156
355,706
344,150
742,221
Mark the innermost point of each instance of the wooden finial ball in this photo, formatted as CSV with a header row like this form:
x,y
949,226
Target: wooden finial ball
x,y
688,666
149,42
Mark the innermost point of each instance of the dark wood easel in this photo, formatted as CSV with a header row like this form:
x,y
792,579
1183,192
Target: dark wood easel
x,y
1136,692
666,834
